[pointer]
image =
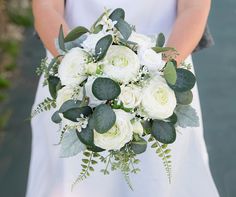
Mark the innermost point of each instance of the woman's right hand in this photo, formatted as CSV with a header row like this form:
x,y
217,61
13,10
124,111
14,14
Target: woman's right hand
x,y
49,16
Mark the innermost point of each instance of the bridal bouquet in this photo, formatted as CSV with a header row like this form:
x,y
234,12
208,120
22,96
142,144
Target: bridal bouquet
x,y
113,95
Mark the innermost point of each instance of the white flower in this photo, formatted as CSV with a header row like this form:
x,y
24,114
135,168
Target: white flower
x,y
65,94
121,64
130,96
159,99
152,60
137,127
91,40
143,41
91,68
107,23
120,134
71,69
93,101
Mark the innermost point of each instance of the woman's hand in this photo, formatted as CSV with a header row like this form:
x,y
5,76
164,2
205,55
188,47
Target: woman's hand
x,y
189,26
49,15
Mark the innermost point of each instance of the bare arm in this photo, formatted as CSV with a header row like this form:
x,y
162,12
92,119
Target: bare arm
x,y
49,15
189,26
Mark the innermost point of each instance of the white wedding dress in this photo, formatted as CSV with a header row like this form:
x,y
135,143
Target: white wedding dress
x,y
51,176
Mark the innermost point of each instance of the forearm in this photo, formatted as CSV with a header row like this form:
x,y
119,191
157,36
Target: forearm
x,y
48,19
188,30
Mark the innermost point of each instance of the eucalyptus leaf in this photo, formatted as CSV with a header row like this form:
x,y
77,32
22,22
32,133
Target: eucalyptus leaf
x,y
75,113
54,84
61,40
162,49
76,33
56,117
184,98
102,47
86,136
105,89
124,28
71,145
139,146
104,118
185,80
173,119
70,104
164,132
187,116
170,73
147,126
160,40
117,14
97,29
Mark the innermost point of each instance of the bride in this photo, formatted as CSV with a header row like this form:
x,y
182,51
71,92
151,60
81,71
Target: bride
x,y
182,22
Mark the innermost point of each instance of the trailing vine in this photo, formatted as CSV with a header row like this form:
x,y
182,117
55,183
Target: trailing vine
x,y
46,105
164,153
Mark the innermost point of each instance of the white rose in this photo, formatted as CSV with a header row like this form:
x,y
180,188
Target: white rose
x,y
71,69
93,101
130,96
120,134
91,40
152,60
159,99
143,41
121,64
137,127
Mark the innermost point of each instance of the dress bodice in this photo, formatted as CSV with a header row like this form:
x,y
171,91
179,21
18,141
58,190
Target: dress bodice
x,y
149,16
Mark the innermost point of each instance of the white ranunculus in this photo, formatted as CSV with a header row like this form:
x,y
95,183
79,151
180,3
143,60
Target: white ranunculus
x,y
152,60
91,40
71,69
142,40
120,134
159,99
130,96
93,101
137,127
121,64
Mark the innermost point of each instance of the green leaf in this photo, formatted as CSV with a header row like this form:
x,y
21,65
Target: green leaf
x,y
170,73
139,146
160,40
71,145
185,80
147,126
173,119
187,116
76,33
162,49
56,117
124,28
105,89
61,40
54,84
70,104
102,47
184,98
86,136
164,132
104,118
117,14
97,29
75,113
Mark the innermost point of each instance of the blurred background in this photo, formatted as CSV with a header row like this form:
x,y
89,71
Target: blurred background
x,y
21,52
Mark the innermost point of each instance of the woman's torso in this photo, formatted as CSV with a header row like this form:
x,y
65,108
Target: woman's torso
x,y
149,16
